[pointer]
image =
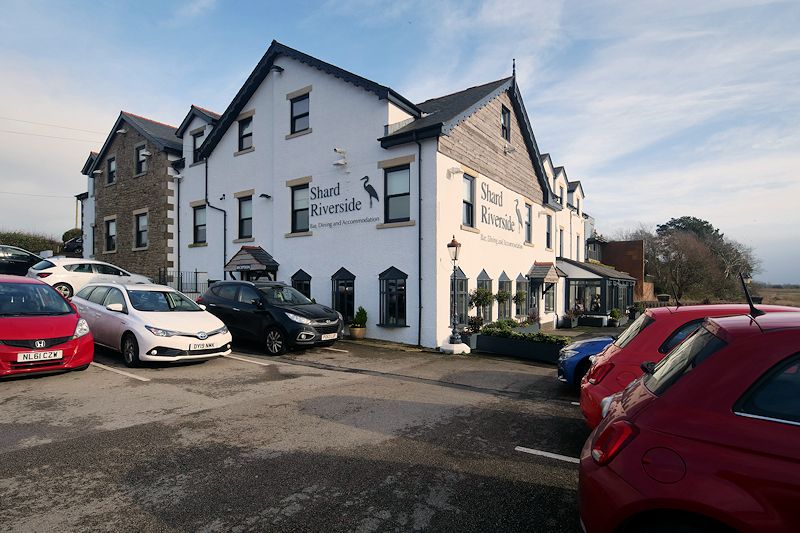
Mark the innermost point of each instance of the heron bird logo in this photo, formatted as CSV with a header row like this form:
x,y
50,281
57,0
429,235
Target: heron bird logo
x,y
519,215
370,191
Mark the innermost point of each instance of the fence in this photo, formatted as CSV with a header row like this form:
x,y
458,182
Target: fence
x,y
187,281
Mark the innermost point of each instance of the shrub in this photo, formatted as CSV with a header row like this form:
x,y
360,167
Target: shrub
x,y
502,330
615,313
71,234
360,320
33,242
502,296
480,297
474,324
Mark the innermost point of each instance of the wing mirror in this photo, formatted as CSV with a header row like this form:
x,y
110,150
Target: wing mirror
x,y
648,367
202,306
257,302
116,307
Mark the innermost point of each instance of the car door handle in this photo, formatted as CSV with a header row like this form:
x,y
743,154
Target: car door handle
x,y
212,305
236,309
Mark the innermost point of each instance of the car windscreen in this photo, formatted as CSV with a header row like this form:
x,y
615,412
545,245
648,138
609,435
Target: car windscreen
x,y
161,301
633,330
28,299
41,265
283,295
682,360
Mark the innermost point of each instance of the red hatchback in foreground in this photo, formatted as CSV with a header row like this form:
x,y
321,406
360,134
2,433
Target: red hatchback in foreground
x,y
649,338
710,441
39,330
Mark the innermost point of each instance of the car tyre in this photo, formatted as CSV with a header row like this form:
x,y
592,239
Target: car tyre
x,y
275,341
130,351
64,288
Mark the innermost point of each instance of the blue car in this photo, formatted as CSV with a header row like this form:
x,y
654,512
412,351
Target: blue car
x,y
573,359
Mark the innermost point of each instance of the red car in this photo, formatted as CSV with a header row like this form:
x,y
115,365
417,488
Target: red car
x,y
709,441
649,338
40,331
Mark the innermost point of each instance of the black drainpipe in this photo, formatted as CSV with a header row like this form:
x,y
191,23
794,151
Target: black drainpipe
x,y
178,225
224,224
419,237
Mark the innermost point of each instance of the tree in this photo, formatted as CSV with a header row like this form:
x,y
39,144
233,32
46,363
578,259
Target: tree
x,y
687,263
701,228
71,234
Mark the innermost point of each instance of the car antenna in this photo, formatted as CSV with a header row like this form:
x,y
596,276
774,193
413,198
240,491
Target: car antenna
x,y
675,294
754,312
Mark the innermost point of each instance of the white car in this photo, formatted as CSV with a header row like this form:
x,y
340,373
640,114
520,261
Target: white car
x,y
69,275
151,323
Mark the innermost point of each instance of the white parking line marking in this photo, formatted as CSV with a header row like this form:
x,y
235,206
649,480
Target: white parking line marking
x,y
548,454
248,360
122,372
575,403
335,349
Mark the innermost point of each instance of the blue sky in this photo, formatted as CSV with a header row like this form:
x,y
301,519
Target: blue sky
x,y
661,109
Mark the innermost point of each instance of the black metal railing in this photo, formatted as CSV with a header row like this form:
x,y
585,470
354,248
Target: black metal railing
x,y
186,281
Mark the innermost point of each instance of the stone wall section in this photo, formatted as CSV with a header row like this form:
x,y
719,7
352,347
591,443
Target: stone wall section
x,y
477,143
133,193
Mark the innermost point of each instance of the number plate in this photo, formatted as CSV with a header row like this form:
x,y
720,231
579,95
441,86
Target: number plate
x,y
329,336
201,346
32,357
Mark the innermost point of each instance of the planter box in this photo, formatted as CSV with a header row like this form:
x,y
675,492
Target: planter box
x,y
470,339
593,321
544,352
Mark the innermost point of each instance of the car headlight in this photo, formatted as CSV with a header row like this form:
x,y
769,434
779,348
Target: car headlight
x,y
592,358
81,328
223,330
298,319
566,354
158,332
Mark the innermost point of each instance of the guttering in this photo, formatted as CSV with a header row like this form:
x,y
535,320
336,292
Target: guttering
x,y
419,238
410,136
224,223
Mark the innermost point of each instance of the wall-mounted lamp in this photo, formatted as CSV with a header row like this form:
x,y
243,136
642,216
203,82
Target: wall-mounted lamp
x,y
509,150
145,153
276,68
222,197
264,195
454,171
121,131
97,172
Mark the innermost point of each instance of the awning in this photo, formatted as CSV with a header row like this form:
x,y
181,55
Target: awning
x,y
252,259
543,272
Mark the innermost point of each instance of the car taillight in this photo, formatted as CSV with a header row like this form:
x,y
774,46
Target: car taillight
x,y
43,274
598,372
612,439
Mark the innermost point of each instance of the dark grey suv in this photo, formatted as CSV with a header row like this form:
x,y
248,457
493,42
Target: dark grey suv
x,y
273,314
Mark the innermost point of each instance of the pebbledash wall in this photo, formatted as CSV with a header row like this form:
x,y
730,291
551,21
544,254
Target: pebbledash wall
x,y
348,227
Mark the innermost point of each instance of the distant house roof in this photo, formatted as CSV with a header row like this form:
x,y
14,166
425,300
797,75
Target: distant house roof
x,y
196,111
89,162
600,270
572,186
160,134
263,68
82,196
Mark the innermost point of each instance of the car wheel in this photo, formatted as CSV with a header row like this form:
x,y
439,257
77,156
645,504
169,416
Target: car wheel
x,y
581,370
130,350
64,288
276,341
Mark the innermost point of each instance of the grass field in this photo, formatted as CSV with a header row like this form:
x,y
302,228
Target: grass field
x,y
779,296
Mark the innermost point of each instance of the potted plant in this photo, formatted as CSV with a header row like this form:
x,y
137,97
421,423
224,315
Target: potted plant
x,y
502,297
359,325
571,317
519,299
613,317
469,335
480,298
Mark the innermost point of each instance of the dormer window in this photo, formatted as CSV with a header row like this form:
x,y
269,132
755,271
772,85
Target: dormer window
x,y
505,121
197,140
561,194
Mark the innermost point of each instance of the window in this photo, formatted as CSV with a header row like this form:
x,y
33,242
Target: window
x,y
561,195
111,235
468,210
550,298
775,397
115,297
245,217
141,230
522,287
398,196
585,296
247,294
226,291
505,128
459,283
578,248
560,242
85,293
301,281
679,335
111,170
393,297
343,293
528,221
300,208
245,133
578,205
549,232
683,359
197,140
83,268
141,160
485,282
108,270
504,308
300,121
98,296
199,224
632,331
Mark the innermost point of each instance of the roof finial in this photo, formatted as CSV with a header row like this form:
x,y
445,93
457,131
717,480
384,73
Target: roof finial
x,y
513,67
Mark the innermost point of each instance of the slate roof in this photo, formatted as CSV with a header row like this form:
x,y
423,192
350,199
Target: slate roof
x,y
263,68
255,256
573,185
89,162
196,111
600,270
545,271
